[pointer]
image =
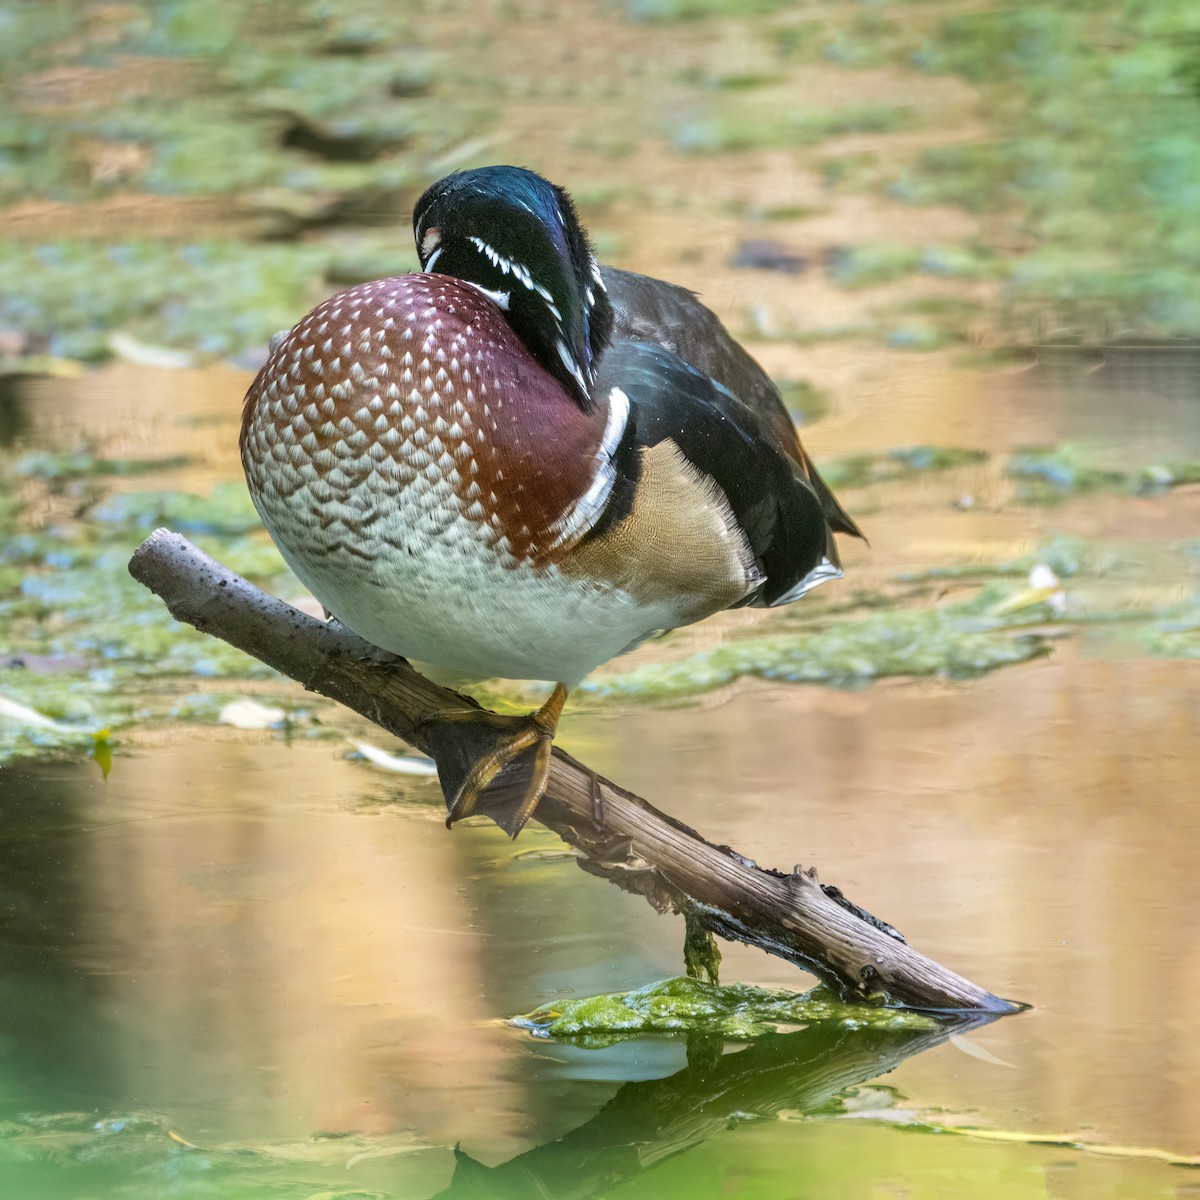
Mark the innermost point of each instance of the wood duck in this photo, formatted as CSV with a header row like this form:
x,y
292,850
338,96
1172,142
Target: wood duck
x,y
519,463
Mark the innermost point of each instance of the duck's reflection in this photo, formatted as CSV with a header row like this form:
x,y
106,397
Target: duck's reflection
x,y
649,1121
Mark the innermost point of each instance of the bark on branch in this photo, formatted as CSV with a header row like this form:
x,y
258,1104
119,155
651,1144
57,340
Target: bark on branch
x,y
634,845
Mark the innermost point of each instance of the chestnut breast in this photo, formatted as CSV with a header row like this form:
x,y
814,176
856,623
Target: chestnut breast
x,y
420,377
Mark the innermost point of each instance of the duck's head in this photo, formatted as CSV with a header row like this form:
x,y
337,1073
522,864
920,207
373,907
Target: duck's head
x,y
516,235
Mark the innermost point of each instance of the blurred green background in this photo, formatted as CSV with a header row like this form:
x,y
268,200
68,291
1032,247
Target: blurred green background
x,y
191,173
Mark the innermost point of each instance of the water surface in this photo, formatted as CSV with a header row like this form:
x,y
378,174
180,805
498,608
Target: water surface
x,y
252,940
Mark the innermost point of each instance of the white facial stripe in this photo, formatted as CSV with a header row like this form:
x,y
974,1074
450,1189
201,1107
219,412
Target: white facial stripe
x,y
429,242
433,258
499,299
515,269
521,274
494,255
568,361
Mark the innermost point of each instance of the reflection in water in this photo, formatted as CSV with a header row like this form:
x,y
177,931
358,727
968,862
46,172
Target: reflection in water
x,y
255,976
56,1049
1140,405
14,418
166,944
648,1122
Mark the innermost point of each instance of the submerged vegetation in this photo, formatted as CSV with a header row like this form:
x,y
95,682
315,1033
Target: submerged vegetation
x,y
80,634
956,641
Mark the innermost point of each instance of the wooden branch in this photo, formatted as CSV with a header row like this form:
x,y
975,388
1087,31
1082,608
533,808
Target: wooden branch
x,y
633,844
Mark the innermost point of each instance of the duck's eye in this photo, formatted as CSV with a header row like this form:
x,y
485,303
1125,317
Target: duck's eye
x,y
429,242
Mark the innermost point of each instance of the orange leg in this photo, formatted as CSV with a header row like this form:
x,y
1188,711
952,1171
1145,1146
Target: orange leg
x,y
496,765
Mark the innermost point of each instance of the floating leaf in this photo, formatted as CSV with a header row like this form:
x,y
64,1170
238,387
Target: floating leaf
x,y
969,1047
400,764
250,714
25,715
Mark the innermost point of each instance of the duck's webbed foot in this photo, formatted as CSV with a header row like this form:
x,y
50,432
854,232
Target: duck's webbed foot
x,y
495,765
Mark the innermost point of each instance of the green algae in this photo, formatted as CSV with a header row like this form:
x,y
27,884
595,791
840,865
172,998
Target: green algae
x,y
337,116
115,656
860,470
1065,555
226,510
740,1012
957,640
1175,634
91,608
59,698
804,400
362,259
248,81
83,640
131,1152
1099,605
917,336
1159,477
83,464
28,32
226,296
701,953
258,106
1093,147
931,322
695,10
872,263
740,120
1048,474
221,298
1088,158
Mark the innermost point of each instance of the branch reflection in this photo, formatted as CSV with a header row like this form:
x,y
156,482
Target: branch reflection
x,y
649,1121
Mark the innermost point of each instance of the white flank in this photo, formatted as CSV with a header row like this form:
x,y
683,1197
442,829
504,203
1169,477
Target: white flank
x,y
499,299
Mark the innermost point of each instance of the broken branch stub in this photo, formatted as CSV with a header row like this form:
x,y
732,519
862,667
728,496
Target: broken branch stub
x,y
625,839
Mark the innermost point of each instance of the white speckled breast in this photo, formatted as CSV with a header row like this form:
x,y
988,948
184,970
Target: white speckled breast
x,y
417,469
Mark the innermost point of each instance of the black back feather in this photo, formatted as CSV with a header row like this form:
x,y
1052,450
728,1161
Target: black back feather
x,y
718,433
651,310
